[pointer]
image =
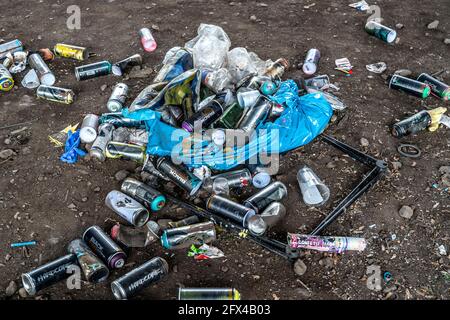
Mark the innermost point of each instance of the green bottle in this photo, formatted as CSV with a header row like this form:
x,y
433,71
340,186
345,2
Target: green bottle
x,y
231,117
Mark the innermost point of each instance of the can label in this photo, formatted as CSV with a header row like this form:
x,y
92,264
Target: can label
x,y
69,51
55,94
6,80
381,32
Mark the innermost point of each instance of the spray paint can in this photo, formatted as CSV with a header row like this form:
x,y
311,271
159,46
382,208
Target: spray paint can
x,y
148,42
144,193
93,70
118,97
409,86
179,175
260,176
70,51
184,222
119,68
104,247
118,120
276,70
255,115
268,88
6,80
205,116
236,179
120,150
416,123
184,237
438,88
311,61
93,268
10,47
98,148
44,73
128,208
326,244
134,281
230,118
381,32
208,294
230,209
48,274
89,126
55,94
273,192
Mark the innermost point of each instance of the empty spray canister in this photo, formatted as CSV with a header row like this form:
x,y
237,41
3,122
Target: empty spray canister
x,y
205,116
134,281
179,175
424,119
255,115
208,294
311,61
93,268
6,80
128,208
120,150
230,118
260,175
118,97
48,274
98,148
438,88
116,119
184,222
410,86
70,51
144,193
88,130
327,244
184,237
44,73
273,192
10,47
236,179
93,70
381,32
55,94
147,40
230,209
276,70
124,65
104,247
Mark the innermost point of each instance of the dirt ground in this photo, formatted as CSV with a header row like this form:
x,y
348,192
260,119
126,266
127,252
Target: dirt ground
x,y
51,202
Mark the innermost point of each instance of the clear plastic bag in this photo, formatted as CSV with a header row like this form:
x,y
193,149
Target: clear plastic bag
x,y
240,64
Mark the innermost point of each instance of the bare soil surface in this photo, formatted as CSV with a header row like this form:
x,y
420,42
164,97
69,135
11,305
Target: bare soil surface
x,y
37,190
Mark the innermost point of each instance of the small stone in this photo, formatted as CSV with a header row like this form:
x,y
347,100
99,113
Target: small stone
x,y
396,165
406,212
5,154
253,18
72,206
26,150
23,293
256,277
103,87
97,189
399,26
327,262
121,175
8,257
175,268
155,27
403,72
300,267
7,141
84,199
433,25
331,165
224,269
444,169
364,142
261,4
447,40
11,289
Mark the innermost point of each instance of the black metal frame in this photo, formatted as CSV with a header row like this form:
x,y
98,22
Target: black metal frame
x,y
281,248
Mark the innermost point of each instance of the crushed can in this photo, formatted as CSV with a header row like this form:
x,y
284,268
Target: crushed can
x,y
184,237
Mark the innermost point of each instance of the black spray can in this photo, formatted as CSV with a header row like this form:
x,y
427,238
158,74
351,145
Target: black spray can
x,y
104,247
409,86
48,274
93,70
93,268
273,192
179,175
144,193
438,88
230,209
418,122
134,281
184,237
205,116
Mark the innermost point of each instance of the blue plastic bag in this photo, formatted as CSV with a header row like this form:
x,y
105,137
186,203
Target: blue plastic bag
x,y
71,150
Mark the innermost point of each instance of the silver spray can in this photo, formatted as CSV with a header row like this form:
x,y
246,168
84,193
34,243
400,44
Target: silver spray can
x,y
255,115
105,132
128,208
311,60
118,97
44,73
88,131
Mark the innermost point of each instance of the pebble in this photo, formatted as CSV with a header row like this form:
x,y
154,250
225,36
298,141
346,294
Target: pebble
x,y
26,150
406,212
72,206
253,18
97,189
155,27
11,289
331,165
121,175
444,169
433,25
403,72
300,267
103,87
224,268
175,268
447,40
8,257
364,142
7,141
261,4
23,293
396,165
5,154
399,26
327,262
